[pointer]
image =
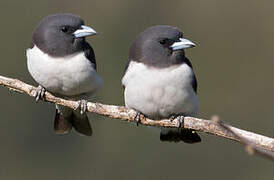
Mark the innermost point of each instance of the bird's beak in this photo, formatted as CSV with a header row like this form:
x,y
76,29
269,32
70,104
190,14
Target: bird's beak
x,y
182,44
84,31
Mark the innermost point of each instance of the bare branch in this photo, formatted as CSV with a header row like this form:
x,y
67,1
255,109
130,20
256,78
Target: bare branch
x,y
251,148
126,114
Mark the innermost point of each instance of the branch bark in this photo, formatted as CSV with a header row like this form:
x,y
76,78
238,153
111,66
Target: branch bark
x,y
120,112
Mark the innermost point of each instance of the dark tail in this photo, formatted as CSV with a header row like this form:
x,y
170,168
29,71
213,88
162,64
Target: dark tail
x,y
179,134
66,118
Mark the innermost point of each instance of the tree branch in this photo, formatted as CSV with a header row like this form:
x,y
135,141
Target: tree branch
x,y
120,112
251,148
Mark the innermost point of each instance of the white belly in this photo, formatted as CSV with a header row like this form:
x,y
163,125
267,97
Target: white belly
x,y
71,76
160,93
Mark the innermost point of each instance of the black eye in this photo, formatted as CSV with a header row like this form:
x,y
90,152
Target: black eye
x,y
64,29
163,41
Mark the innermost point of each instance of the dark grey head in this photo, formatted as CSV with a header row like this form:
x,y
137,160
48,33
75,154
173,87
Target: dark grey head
x,y
160,46
61,34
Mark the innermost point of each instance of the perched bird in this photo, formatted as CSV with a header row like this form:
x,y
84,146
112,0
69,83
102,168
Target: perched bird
x,y
159,81
63,63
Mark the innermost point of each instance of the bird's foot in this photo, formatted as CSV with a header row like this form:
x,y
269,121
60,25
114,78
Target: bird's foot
x,y
82,106
137,118
180,122
40,93
172,118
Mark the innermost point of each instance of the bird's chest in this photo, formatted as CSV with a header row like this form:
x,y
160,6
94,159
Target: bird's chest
x,y
66,76
160,93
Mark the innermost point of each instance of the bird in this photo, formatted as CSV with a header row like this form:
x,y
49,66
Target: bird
x,y
62,62
159,81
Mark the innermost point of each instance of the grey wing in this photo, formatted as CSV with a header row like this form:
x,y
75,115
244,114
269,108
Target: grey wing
x,y
89,53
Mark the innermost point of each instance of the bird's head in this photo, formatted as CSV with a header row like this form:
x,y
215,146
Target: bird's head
x,y
160,46
61,34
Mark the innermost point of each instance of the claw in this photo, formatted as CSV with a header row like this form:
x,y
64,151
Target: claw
x,y
137,118
180,121
40,93
172,118
82,106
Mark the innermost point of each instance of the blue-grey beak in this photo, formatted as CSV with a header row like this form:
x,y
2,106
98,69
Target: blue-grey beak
x,y
84,31
182,44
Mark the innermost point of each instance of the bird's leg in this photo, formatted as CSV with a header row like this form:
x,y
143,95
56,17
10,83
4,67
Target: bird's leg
x,y
39,93
82,106
137,118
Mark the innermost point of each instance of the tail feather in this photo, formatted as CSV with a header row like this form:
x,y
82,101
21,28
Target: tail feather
x,y
62,124
176,135
81,123
66,118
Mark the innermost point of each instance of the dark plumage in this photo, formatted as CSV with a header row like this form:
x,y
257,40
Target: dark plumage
x,y
54,35
152,47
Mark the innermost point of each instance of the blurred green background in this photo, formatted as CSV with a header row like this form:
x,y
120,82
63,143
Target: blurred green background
x,y
233,62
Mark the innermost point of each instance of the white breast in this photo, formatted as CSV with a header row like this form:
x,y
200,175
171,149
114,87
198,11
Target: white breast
x,y
160,93
72,75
